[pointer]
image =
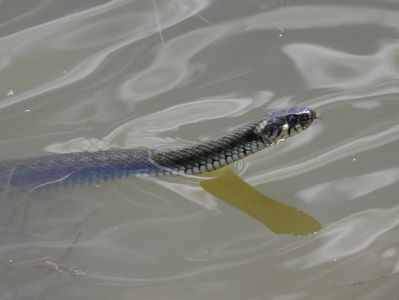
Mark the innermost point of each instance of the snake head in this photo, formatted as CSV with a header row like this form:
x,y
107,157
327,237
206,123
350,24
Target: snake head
x,y
281,124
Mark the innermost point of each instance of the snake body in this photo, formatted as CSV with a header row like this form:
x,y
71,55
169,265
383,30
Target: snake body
x,y
62,170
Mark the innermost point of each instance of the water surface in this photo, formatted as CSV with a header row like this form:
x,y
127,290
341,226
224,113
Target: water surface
x,y
123,73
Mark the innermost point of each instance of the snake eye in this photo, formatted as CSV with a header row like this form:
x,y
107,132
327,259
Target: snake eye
x,y
291,120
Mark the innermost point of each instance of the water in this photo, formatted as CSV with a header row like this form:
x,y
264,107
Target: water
x,y
85,76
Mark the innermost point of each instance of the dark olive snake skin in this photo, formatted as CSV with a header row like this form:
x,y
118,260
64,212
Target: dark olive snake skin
x,y
63,170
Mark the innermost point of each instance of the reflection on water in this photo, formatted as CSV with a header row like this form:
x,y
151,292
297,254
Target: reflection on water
x,y
76,76
278,217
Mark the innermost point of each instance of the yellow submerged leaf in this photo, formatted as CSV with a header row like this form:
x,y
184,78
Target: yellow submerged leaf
x,y
278,217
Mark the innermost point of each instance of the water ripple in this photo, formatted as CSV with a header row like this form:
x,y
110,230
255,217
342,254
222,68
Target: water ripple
x,y
351,187
347,237
361,144
133,25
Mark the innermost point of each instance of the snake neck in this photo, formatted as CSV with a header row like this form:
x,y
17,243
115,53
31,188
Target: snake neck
x,y
212,154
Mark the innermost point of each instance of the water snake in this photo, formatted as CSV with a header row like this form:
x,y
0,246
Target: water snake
x,y
68,169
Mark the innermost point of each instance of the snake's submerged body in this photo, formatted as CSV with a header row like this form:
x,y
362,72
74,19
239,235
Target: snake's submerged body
x,y
62,170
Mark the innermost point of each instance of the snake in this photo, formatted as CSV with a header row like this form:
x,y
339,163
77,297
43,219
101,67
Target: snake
x,y
54,171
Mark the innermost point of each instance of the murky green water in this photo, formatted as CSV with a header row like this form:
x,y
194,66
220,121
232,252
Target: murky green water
x,y
90,75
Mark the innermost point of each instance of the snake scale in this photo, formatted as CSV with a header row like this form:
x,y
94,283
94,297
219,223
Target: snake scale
x,y
62,170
